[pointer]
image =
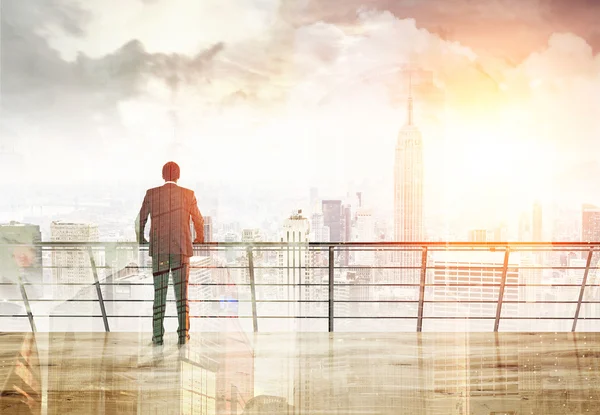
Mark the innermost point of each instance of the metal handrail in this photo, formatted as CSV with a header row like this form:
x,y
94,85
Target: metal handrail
x,y
329,249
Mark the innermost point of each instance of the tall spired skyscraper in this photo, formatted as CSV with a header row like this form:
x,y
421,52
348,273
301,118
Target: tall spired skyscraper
x,y
408,189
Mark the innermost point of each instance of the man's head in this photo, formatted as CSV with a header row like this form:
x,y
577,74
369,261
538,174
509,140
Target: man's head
x,y
170,172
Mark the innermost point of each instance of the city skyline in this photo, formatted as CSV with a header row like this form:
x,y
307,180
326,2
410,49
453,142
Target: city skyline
x,y
354,206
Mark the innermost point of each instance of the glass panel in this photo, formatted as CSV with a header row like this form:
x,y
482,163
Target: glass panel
x,y
11,292
387,309
558,293
535,325
139,325
74,324
285,324
222,324
460,310
458,325
279,309
129,291
588,325
61,292
12,308
538,310
83,308
128,308
375,325
467,292
588,311
12,324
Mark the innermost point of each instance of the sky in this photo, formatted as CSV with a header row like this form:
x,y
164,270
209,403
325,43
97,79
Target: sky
x,y
293,94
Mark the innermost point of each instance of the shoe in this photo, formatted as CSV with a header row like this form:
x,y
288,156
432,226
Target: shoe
x,y
184,340
157,343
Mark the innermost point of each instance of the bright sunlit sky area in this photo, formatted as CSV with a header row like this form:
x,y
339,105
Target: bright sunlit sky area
x,y
297,94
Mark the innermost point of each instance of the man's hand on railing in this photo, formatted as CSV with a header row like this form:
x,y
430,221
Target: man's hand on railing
x,y
143,241
198,241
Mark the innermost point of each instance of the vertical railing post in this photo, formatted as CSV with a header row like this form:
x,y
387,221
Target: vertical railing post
x,y
25,300
581,291
422,290
252,288
98,289
502,286
331,281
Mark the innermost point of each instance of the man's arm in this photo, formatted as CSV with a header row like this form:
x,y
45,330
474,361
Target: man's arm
x,y
198,221
142,219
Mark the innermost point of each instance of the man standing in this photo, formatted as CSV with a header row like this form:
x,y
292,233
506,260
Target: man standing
x,y
170,208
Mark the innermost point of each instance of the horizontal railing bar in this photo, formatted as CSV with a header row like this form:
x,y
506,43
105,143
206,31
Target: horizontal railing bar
x,y
191,284
349,267
387,244
99,316
122,301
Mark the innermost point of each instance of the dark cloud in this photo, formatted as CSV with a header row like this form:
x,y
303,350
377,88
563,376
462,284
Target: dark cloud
x,y
35,78
76,103
42,14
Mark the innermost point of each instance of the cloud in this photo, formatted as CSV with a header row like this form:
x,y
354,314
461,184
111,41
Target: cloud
x,y
481,25
313,81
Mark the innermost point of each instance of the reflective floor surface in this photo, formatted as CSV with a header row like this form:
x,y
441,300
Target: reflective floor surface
x,y
301,373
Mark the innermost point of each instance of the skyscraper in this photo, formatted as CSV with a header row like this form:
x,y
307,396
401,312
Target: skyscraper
x,y
318,231
294,264
72,273
346,233
463,277
590,227
72,265
208,229
251,235
590,223
332,217
408,191
365,232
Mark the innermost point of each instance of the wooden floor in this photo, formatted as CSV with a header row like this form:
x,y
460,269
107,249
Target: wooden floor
x,y
303,373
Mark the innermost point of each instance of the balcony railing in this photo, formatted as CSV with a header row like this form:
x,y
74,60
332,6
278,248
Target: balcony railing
x,y
434,286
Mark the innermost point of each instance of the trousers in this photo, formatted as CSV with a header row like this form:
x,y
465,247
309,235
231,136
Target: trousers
x,y
179,266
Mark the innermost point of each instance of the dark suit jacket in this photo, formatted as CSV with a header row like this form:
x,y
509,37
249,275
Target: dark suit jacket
x,y
170,208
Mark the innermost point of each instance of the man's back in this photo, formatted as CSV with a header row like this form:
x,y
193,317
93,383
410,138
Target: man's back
x,y
170,208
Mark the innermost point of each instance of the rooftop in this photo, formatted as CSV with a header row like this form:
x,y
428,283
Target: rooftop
x,y
311,373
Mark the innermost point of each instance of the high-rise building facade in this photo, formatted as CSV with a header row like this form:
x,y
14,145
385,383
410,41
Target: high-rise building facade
x,y
318,231
295,267
590,227
408,193
590,223
231,254
251,235
72,265
332,218
208,229
346,233
365,232
467,284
